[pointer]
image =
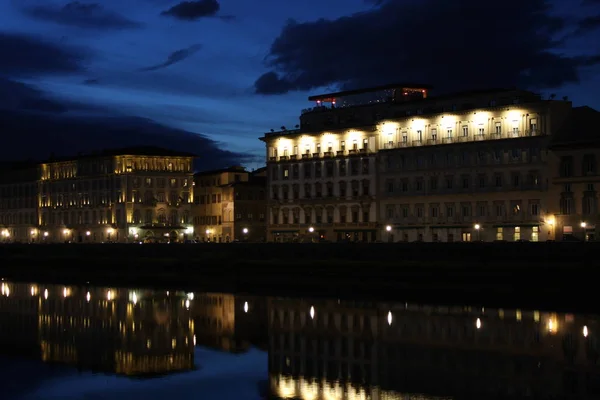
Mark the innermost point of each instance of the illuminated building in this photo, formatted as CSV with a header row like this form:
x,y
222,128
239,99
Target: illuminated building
x,y
574,187
113,196
19,202
322,175
395,164
336,350
111,330
229,205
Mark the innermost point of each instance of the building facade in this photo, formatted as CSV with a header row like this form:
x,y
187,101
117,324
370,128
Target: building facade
x,y
19,202
115,196
574,157
469,167
394,164
230,205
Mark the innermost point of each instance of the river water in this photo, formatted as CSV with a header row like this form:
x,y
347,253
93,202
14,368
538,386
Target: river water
x,y
86,342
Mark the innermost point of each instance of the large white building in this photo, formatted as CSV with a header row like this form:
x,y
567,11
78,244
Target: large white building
x,y
394,164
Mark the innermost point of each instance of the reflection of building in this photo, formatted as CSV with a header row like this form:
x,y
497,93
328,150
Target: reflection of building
x,y
104,329
337,350
574,166
110,196
392,163
229,322
229,204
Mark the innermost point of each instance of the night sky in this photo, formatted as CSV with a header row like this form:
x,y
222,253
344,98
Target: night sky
x,y
211,77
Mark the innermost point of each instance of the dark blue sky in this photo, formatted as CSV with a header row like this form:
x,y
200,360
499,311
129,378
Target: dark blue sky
x,y
233,69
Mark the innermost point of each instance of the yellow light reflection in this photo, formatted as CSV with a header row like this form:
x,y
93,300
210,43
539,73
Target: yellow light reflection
x,y
585,331
287,388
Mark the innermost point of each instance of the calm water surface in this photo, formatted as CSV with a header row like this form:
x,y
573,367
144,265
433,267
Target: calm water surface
x,y
67,342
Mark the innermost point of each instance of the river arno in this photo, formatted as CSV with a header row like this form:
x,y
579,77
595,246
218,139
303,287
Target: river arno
x,y
86,342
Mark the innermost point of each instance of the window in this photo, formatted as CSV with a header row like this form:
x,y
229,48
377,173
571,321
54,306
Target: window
x,y
365,144
535,209
466,210
589,164
449,133
517,233
433,183
419,135
318,148
499,210
535,234
390,185
516,180
498,129
434,134
465,131
450,211
404,137
498,180
434,211
465,182
532,126
482,210
342,146
481,131
481,181
500,233
449,182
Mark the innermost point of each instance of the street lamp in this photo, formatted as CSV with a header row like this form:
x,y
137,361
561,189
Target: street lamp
x,y
311,229
477,228
583,225
388,228
245,231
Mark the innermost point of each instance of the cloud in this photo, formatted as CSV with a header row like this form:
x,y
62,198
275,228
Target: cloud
x,y
22,55
36,124
82,15
491,45
174,57
19,96
193,10
588,24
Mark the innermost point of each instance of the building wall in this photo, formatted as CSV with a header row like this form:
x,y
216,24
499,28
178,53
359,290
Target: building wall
x,y
102,199
574,192
18,205
459,168
229,205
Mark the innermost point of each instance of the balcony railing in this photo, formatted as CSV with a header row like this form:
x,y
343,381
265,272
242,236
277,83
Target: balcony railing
x,y
462,139
448,140
479,137
417,143
305,155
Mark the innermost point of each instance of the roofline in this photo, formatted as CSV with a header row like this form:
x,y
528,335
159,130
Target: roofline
x,y
367,90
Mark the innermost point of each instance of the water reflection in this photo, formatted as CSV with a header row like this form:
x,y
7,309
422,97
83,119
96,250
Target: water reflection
x,y
317,349
348,350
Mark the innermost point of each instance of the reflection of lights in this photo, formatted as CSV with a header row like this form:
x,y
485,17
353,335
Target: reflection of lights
x,y
33,290
245,231
312,312
518,315
134,298
389,318
287,387
190,296
88,296
88,233
45,293
478,323
194,340
311,229
65,292
5,290
388,228
585,331
477,227
552,324
109,295
246,307
187,304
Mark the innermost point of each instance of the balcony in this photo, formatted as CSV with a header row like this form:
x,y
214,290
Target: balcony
x,y
403,144
479,137
447,140
433,141
294,157
283,158
353,152
340,153
305,156
328,154
462,139
316,155
417,143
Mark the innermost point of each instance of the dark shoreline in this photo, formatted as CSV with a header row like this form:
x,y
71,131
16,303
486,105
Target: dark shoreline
x,y
556,276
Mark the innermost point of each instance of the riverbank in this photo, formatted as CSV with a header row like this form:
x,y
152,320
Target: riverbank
x,y
555,275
